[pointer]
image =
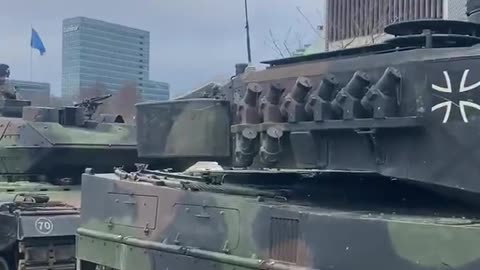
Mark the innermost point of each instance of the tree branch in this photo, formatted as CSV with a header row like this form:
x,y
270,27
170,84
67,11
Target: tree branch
x,y
274,42
308,21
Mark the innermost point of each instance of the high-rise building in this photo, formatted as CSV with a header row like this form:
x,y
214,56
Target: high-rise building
x,y
37,92
352,23
152,90
97,52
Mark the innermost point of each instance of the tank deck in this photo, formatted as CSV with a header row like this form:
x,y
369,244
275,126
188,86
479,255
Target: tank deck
x,y
163,226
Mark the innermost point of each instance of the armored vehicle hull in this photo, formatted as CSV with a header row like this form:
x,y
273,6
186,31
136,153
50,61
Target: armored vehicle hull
x,y
43,152
405,109
364,158
36,233
158,224
50,150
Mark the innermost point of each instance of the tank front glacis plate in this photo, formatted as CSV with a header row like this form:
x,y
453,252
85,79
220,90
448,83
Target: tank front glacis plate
x,y
59,217
48,225
42,233
128,225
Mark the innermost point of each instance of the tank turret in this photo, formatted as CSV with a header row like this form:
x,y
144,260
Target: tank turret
x,y
43,151
56,143
395,109
363,158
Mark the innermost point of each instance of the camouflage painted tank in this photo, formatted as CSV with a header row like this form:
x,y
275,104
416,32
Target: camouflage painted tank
x,y
56,143
43,152
364,158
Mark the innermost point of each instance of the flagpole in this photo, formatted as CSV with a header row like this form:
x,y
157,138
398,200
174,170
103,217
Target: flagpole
x,y
31,55
31,64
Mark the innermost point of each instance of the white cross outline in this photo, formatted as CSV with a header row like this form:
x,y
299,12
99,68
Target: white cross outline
x,y
462,103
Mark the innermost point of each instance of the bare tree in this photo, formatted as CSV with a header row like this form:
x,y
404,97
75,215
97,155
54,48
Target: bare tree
x,y
60,101
299,10
275,43
363,23
94,91
285,41
283,47
123,101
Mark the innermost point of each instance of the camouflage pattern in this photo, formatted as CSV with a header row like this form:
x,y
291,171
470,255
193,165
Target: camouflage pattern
x,y
209,118
38,146
153,225
358,159
43,152
206,91
409,113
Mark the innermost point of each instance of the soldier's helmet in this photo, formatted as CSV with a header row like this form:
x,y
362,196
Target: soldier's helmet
x,y
4,70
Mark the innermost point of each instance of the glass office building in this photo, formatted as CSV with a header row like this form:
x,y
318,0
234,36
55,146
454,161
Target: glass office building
x,y
114,55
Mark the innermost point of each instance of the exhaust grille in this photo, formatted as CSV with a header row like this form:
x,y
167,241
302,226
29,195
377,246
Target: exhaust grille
x,y
284,239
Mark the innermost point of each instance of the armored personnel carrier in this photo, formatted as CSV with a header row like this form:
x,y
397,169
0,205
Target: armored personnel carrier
x,y
364,158
43,152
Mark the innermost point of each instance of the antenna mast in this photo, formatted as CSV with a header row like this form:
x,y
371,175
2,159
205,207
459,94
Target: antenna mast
x,y
247,27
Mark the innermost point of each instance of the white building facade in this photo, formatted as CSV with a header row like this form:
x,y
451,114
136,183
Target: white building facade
x,y
354,23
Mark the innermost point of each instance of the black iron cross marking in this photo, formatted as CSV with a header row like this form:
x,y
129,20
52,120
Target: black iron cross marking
x,y
462,104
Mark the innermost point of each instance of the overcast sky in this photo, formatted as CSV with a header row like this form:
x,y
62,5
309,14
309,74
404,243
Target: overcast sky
x,y
192,41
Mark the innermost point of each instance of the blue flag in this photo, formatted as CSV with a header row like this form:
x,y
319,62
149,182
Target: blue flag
x,y
36,42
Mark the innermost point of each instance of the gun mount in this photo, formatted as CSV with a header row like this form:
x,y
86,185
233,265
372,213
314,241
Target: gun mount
x,y
90,105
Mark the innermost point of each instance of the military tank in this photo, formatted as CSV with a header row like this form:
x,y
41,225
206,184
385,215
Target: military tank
x,y
364,158
43,152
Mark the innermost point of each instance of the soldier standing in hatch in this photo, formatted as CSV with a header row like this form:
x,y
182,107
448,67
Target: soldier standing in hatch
x,y
7,90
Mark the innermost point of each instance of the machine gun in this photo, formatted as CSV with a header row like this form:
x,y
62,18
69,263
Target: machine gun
x,y
90,105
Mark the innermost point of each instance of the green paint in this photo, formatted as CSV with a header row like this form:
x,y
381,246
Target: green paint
x,y
435,245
